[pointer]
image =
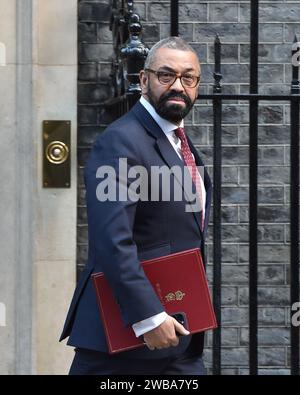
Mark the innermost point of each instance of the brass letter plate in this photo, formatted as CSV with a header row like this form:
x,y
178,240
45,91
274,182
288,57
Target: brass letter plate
x,y
56,154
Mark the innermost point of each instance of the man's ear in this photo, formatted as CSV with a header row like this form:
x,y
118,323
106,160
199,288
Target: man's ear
x,y
143,81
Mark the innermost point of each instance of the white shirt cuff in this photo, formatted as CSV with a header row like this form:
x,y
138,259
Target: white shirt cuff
x,y
148,324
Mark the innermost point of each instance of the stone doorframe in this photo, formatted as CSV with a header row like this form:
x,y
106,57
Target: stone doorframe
x,y
38,73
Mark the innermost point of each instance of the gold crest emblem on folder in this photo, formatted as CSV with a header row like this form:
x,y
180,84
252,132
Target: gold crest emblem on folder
x,y
172,296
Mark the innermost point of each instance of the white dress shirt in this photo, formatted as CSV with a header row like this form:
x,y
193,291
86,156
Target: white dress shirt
x,y
169,129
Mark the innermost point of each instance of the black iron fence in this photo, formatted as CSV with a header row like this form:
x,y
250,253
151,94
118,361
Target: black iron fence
x,y
129,58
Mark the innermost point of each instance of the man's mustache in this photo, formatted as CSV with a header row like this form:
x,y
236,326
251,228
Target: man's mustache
x,y
176,95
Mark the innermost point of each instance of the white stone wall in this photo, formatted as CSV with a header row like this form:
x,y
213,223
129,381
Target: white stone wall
x,y
8,182
38,78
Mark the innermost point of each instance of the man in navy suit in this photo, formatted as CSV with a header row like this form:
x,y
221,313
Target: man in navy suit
x,y
123,232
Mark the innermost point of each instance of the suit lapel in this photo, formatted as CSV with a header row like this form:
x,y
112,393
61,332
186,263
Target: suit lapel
x,y
169,155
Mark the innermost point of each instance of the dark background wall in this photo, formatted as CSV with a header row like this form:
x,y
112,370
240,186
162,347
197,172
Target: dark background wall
x,y
199,22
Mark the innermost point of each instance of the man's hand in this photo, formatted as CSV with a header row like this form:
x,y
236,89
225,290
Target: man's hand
x,y
164,335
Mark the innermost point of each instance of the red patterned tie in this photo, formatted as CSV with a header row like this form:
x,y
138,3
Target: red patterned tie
x,y
190,162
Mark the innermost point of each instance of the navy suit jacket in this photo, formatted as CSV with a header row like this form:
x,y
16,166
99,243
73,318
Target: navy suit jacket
x,y
122,233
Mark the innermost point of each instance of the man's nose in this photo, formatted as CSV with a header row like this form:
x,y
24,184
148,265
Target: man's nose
x,y
177,85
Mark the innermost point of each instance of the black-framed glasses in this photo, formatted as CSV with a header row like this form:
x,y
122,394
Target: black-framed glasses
x,y
168,78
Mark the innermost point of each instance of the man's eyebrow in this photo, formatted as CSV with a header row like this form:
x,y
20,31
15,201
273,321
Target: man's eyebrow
x,y
173,71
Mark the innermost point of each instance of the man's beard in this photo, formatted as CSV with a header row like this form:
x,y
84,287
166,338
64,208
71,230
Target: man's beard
x,y
171,111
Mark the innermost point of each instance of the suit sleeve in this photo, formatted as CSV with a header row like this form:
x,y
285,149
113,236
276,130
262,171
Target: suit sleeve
x,y
111,230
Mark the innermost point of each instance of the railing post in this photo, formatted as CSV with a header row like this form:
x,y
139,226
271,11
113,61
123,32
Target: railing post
x,y
174,5
133,55
294,209
217,236
253,162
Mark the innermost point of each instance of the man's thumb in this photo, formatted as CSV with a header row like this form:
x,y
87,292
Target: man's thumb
x,y
180,329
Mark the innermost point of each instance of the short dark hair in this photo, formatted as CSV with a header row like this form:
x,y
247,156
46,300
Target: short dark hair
x,y
170,42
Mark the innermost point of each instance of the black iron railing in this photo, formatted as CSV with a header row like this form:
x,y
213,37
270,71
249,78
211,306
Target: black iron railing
x,y
130,54
129,57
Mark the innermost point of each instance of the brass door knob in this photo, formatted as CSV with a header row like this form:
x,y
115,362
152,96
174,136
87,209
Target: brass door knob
x,y
57,152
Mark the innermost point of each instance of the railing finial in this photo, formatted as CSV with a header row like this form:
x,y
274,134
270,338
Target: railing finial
x,y
134,55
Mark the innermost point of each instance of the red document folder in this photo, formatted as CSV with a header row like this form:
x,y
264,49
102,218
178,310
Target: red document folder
x,y
180,282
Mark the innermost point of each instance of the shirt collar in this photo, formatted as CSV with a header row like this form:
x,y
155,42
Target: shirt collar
x,y
166,126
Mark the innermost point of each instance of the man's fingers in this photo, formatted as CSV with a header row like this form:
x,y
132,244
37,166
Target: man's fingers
x,y
151,348
175,342
180,328
164,335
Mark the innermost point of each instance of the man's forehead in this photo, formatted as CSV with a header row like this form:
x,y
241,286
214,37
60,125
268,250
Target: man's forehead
x,y
173,57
